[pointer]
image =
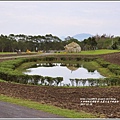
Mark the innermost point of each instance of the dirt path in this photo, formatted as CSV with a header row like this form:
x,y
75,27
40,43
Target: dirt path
x,y
14,56
8,110
112,57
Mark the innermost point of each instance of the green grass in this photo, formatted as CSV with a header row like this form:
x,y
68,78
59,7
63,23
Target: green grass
x,y
7,53
2,80
47,108
92,65
25,65
2,53
97,52
93,52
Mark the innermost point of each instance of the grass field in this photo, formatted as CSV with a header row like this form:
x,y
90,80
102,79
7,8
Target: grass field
x,y
7,53
103,51
91,52
94,52
2,53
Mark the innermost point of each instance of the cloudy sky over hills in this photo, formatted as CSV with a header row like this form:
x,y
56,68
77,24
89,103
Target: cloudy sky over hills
x,y
59,18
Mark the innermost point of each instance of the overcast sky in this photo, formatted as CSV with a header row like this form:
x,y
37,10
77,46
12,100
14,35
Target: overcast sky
x,y
59,18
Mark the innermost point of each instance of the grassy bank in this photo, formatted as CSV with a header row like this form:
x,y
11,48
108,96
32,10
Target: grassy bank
x,y
91,66
24,66
47,108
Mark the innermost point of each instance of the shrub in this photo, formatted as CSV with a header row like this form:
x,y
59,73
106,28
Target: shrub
x,y
102,63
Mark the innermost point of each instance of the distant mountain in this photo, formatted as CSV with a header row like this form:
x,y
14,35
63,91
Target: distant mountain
x,y
62,37
82,36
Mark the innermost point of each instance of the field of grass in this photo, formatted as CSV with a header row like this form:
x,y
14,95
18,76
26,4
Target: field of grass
x,y
47,108
91,52
7,53
1,53
103,51
94,52
2,80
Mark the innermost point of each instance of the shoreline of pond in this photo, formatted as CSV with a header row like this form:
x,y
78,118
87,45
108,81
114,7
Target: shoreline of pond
x,y
73,74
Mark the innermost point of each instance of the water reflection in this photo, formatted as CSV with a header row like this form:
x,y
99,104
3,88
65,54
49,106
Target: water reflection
x,y
72,74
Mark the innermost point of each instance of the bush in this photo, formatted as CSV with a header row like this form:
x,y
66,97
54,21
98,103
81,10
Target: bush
x,y
102,62
112,67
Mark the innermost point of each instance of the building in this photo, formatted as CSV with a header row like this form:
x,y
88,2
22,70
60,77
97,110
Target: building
x,y
72,48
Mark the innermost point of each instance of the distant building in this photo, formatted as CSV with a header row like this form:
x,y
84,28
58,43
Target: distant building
x,y
72,48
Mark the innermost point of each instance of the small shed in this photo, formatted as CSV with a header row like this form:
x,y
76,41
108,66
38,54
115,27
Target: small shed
x,y
72,48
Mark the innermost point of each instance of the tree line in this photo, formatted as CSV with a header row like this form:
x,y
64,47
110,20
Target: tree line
x,y
23,42
11,42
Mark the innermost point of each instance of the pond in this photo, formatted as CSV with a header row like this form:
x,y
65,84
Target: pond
x,y
67,71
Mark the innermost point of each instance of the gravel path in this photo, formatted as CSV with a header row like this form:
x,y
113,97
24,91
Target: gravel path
x,y
8,110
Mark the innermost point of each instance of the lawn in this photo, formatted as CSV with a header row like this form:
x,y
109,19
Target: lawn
x,y
8,53
95,52
92,52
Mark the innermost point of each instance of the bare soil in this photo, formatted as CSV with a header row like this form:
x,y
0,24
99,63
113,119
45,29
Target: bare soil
x,y
112,58
68,98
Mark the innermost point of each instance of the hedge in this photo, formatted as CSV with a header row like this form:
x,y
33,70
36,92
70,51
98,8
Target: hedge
x,y
8,72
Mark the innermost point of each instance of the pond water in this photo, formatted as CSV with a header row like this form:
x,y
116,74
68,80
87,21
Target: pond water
x,y
67,72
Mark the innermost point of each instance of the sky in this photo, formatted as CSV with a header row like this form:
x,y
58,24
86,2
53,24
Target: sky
x,y
60,18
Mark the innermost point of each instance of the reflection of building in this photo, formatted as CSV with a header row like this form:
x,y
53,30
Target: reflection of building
x,y
72,68
72,47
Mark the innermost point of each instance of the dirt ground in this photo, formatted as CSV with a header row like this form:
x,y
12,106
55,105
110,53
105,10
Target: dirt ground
x,y
108,99
113,58
70,98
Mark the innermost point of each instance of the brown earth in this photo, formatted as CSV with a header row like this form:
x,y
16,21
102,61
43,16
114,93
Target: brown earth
x,y
113,58
68,98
